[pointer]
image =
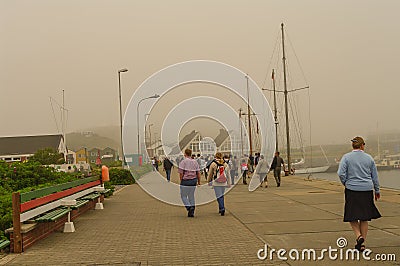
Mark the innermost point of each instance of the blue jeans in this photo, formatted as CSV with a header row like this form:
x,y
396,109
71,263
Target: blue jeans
x,y
168,173
219,193
187,189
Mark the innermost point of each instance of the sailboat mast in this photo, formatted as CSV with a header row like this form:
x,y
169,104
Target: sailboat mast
x,y
286,99
248,114
275,112
241,132
63,126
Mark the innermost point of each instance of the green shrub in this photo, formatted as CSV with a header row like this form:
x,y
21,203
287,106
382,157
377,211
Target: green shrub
x,y
120,176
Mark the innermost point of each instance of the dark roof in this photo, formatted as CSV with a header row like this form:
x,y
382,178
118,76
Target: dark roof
x,y
223,134
184,142
28,144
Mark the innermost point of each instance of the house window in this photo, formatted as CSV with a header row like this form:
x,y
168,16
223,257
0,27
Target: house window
x,y
194,147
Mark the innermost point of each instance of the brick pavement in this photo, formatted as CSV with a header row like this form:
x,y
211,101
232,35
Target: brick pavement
x,y
135,229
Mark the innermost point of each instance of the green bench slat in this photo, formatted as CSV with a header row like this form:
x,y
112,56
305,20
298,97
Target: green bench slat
x,y
53,215
79,203
49,215
105,191
91,196
4,243
59,215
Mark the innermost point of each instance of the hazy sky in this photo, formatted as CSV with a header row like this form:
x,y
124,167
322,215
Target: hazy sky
x,y
348,50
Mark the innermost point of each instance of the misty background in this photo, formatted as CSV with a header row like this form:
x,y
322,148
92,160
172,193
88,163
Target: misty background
x,y
347,52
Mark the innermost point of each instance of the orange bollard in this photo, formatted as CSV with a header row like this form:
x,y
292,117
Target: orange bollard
x,y
105,176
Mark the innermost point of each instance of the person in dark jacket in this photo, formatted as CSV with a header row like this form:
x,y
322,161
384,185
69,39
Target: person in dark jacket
x,y
167,167
276,165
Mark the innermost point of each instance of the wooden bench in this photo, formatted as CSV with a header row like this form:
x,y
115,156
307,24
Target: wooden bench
x,y
53,215
4,243
91,196
38,213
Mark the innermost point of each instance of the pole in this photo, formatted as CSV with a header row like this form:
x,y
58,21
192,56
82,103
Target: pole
x,y
120,113
16,207
155,144
137,121
63,127
241,132
150,135
275,112
248,114
286,99
137,117
120,117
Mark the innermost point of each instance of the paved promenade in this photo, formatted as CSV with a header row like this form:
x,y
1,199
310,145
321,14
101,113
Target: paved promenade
x,y
136,229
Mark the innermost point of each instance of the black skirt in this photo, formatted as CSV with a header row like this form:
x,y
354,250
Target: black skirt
x,y
359,206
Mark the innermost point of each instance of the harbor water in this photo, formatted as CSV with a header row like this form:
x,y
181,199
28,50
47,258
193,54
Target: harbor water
x,y
387,178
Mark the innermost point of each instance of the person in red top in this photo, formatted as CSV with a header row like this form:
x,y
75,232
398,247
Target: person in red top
x,y
189,174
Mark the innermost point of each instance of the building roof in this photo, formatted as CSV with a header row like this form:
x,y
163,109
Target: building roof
x,y
28,144
222,136
184,142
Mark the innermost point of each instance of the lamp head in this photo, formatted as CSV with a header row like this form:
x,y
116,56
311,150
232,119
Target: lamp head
x,y
123,70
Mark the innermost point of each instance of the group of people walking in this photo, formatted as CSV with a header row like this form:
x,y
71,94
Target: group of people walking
x,y
218,176
357,172
220,173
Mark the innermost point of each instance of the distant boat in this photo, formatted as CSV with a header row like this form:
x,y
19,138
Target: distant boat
x,y
388,163
312,170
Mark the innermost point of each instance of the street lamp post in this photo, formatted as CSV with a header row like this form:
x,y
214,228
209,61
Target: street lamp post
x,y
146,134
120,112
137,117
150,135
155,145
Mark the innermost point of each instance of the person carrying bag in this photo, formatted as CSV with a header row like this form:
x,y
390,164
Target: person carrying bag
x,y
219,178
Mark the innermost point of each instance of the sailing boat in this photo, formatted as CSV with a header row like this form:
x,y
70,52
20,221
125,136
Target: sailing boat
x,y
291,167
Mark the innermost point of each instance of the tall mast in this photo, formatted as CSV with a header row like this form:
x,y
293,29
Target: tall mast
x,y
275,112
63,126
248,114
241,132
286,99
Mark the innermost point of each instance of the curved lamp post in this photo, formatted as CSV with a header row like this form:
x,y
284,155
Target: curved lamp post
x,y
137,117
120,112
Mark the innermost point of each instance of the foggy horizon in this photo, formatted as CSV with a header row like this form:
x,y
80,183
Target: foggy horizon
x,y
347,52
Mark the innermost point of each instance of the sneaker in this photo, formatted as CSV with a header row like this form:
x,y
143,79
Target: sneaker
x,y
222,212
279,184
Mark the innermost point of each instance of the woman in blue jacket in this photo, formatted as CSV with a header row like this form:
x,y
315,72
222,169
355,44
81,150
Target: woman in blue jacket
x,y
357,172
